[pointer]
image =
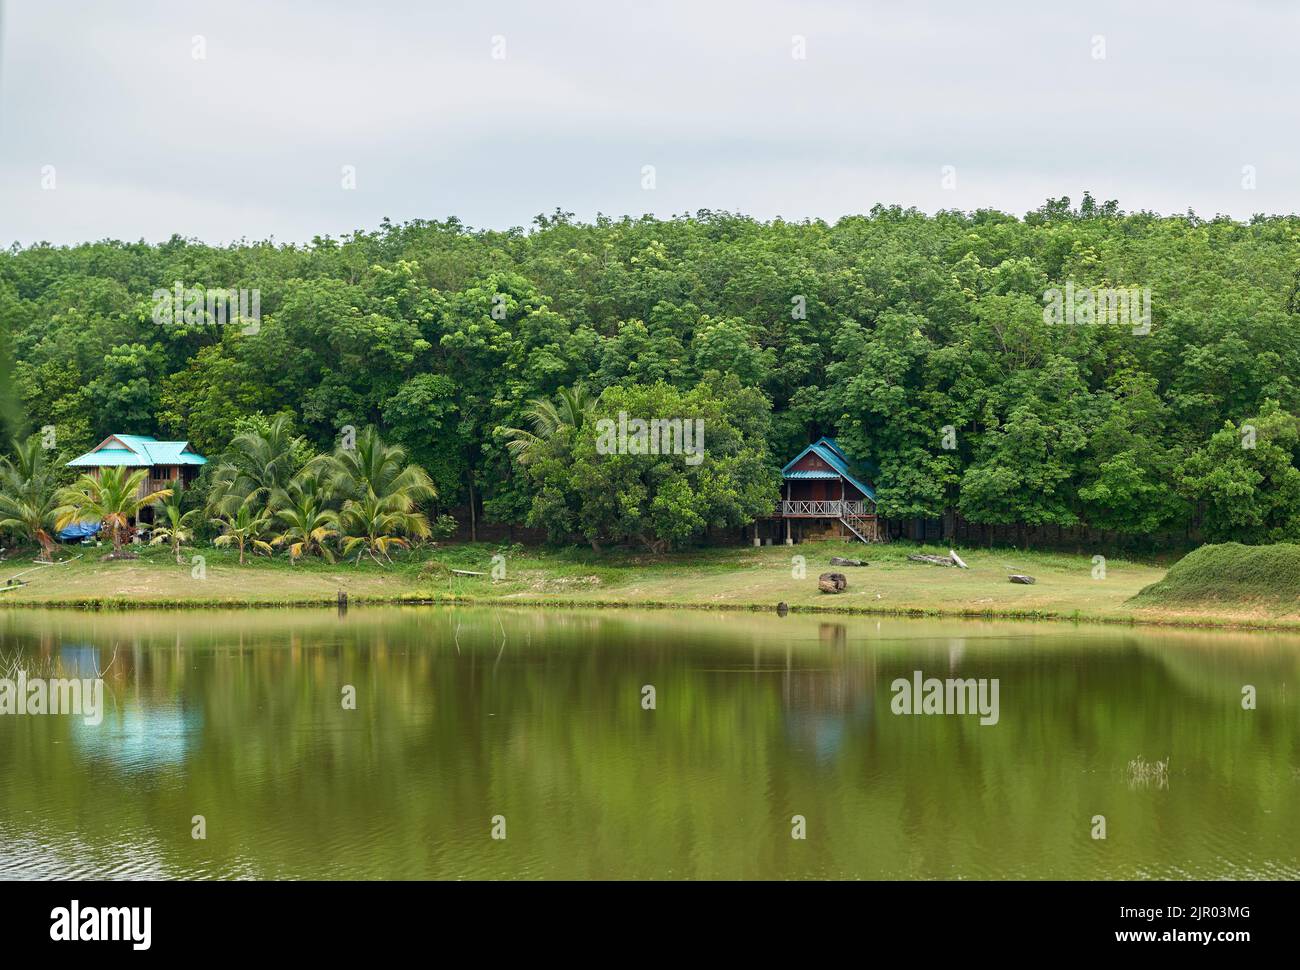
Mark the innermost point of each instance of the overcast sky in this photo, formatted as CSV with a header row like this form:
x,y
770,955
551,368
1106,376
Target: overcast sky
x,y
1158,105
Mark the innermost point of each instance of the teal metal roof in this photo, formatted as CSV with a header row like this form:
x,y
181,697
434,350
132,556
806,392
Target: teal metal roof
x,y
828,450
137,451
172,453
108,457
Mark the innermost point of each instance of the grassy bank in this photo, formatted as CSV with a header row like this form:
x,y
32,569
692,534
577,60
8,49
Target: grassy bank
x,y
1067,587
1230,576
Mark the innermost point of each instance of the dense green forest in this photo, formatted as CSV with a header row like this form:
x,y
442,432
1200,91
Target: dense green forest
x,y
920,341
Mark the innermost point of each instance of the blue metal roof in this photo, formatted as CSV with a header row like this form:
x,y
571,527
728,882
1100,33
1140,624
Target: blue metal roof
x,y
138,451
828,450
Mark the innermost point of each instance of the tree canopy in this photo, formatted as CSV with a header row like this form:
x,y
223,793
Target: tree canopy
x,y
920,341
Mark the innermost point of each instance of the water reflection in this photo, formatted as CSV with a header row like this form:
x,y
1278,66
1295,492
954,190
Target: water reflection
x,y
821,706
141,738
79,660
536,715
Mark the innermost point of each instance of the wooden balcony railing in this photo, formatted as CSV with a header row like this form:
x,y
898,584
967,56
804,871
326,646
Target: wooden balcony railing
x,y
830,509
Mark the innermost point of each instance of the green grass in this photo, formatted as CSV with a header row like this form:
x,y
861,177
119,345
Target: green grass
x,y
1231,574
1068,586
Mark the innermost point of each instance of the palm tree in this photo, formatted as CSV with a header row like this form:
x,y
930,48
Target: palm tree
x,y
381,492
303,507
572,408
255,464
29,496
177,526
376,525
243,528
114,498
372,467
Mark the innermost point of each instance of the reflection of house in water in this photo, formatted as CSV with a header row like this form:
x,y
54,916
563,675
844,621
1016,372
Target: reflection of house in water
x,y
823,704
141,738
139,731
956,650
78,660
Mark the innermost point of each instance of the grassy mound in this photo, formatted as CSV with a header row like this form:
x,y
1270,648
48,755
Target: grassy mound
x,y
1229,573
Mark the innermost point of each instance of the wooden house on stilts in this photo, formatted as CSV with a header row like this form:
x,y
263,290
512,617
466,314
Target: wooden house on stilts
x,y
827,495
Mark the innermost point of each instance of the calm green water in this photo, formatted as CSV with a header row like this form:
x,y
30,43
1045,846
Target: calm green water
x,y
463,715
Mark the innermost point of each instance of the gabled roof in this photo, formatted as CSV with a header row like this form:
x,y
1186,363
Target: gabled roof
x,y
829,451
137,451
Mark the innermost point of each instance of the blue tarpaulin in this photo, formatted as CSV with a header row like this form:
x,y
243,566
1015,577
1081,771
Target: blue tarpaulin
x,y
79,530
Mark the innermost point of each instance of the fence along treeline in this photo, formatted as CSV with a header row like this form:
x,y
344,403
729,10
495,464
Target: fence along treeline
x,y
919,341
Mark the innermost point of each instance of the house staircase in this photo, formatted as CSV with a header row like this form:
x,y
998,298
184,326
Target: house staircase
x,y
864,527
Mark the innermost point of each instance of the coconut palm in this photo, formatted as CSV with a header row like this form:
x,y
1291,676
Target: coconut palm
x,y
371,467
381,493
303,508
177,526
255,465
243,527
572,408
29,495
114,498
374,526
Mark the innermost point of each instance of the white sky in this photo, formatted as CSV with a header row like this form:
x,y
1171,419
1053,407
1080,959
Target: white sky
x,y
250,141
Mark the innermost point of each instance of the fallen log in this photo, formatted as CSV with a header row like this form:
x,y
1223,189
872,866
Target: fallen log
x,y
956,560
467,572
832,582
933,560
841,561
1023,580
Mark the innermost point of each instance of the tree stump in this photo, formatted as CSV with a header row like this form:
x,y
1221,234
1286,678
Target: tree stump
x,y
832,582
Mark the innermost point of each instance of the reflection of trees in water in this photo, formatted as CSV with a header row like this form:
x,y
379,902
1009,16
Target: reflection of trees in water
x,y
538,717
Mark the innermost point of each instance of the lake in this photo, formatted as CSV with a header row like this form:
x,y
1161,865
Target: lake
x,y
395,743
